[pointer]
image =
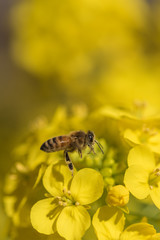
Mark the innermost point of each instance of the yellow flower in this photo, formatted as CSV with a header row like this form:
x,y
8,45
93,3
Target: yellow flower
x,y
140,112
40,130
20,190
155,236
109,223
118,196
146,136
138,231
64,210
28,152
142,178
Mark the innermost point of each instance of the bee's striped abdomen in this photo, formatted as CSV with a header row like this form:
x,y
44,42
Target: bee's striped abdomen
x,y
56,144
50,145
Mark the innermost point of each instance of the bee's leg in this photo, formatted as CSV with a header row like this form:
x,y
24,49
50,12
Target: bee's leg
x,y
91,150
68,161
79,147
80,152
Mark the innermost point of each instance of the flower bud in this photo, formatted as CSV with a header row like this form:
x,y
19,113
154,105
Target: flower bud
x,y
106,172
118,196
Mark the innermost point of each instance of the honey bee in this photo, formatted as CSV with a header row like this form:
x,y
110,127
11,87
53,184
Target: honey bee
x,y
77,140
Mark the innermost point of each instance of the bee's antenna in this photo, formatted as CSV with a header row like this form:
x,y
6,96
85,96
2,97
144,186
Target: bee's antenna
x,y
100,146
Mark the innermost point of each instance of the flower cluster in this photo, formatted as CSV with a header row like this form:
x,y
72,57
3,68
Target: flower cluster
x,y
65,210
94,58
115,195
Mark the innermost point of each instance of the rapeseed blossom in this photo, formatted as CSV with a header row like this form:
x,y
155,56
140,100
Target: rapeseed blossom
x,y
71,202
142,177
146,136
65,209
117,196
132,116
93,57
109,224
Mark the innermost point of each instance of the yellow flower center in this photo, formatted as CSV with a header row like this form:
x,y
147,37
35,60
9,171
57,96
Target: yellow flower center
x,y
146,133
66,199
139,107
154,178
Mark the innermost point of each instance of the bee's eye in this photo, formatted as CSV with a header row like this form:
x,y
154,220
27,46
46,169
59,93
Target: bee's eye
x,y
90,138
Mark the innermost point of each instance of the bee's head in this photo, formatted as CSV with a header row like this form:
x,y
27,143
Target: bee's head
x,y
90,138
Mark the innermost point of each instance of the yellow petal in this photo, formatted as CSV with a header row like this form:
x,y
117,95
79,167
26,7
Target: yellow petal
x,y
73,222
138,231
108,223
40,174
9,204
87,186
142,156
155,195
21,215
136,180
54,236
155,236
115,113
117,196
131,137
154,143
56,178
44,214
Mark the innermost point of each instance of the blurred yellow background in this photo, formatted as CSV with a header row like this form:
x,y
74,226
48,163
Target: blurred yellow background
x,y
74,53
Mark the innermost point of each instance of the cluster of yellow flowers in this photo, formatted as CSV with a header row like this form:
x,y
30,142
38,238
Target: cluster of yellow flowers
x,y
111,196
95,49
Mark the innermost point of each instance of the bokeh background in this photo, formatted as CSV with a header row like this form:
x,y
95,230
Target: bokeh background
x,y
78,54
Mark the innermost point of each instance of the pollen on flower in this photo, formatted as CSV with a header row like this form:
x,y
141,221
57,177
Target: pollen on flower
x,y
154,178
60,203
69,192
151,187
145,134
58,197
77,203
139,107
157,171
65,200
64,190
149,131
